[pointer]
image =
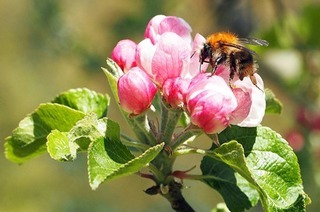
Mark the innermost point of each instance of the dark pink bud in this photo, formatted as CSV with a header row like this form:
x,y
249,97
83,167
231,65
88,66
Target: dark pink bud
x,y
174,91
210,103
136,91
124,54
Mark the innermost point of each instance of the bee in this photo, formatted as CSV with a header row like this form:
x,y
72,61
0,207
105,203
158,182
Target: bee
x,y
229,50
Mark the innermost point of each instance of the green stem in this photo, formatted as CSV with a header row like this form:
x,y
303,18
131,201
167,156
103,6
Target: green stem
x,y
164,118
141,125
128,141
173,118
205,177
186,134
189,150
159,177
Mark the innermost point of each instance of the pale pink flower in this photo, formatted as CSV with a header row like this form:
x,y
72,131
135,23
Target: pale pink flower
x,y
257,99
164,60
251,100
136,91
124,54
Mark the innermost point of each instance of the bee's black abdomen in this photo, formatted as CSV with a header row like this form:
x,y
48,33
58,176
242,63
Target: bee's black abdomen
x,y
245,63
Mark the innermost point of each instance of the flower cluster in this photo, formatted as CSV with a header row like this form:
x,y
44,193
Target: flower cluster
x,y
167,60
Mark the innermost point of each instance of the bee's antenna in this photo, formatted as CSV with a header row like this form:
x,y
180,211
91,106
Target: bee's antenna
x,y
259,88
192,54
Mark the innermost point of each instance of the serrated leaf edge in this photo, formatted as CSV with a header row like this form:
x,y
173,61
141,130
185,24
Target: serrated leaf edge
x,y
113,175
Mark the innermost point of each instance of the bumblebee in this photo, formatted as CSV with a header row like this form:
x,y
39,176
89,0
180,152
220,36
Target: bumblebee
x,y
227,49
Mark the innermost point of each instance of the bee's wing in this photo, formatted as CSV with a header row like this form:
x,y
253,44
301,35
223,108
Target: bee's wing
x,y
253,41
240,47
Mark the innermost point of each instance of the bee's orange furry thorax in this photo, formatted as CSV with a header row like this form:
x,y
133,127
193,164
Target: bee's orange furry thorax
x,y
215,39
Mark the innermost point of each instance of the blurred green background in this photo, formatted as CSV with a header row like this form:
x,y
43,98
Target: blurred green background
x,y
51,46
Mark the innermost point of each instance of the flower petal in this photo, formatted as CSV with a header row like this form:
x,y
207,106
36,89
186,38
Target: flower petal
x,y
194,67
161,24
244,102
176,25
152,30
144,55
258,106
170,57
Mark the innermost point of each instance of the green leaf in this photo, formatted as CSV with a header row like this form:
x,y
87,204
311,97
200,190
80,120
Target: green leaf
x,y
87,130
113,72
184,120
109,159
28,140
220,167
59,146
265,160
273,105
84,100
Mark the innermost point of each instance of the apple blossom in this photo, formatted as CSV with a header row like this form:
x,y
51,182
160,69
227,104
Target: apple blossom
x,y
136,91
257,97
169,61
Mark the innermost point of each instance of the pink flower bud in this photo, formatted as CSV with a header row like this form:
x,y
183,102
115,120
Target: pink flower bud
x,y
174,91
124,54
210,103
136,91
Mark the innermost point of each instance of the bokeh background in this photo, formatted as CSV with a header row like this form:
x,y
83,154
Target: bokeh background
x,y
47,47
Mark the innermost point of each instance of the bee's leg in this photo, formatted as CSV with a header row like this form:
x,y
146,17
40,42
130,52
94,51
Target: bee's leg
x,y
215,65
233,70
214,68
231,76
254,81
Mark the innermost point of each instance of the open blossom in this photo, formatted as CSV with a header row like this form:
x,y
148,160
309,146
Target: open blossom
x,y
257,100
213,105
168,59
136,91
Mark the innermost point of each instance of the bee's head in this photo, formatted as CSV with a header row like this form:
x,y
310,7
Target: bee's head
x,y
206,52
